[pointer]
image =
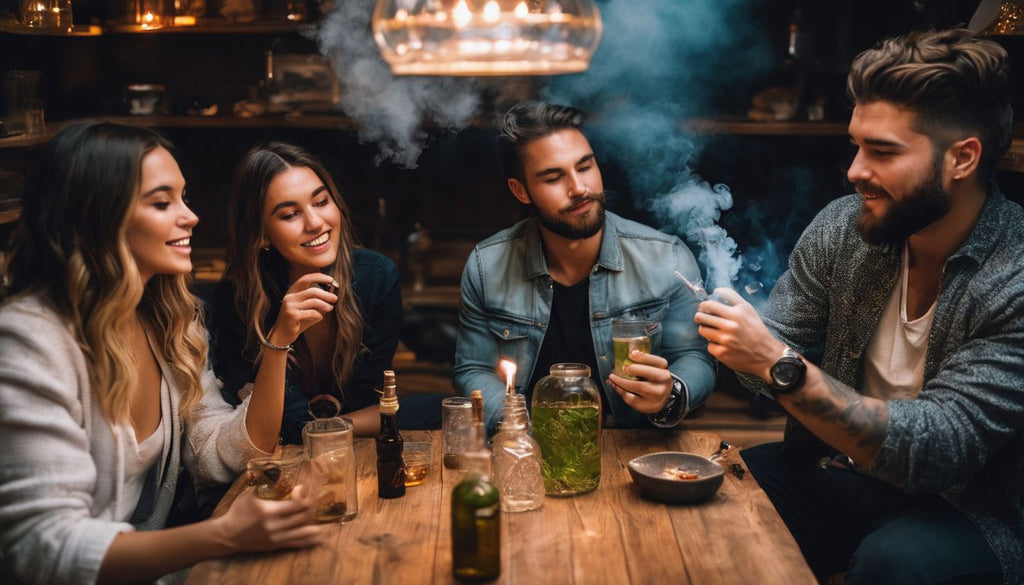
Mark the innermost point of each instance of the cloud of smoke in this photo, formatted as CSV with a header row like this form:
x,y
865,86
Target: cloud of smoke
x,y
676,57
659,62
390,111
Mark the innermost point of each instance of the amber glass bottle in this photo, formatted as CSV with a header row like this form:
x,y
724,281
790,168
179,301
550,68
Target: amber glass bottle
x,y
390,467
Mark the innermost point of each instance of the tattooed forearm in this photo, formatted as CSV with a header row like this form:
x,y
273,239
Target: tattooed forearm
x,y
840,416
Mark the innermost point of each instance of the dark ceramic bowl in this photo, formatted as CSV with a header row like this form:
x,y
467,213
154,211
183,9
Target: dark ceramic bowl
x,y
660,476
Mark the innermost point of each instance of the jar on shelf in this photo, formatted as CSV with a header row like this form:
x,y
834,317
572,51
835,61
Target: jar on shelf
x,y
566,411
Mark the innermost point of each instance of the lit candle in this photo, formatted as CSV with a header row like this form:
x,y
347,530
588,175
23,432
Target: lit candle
x,y
521,10
509,367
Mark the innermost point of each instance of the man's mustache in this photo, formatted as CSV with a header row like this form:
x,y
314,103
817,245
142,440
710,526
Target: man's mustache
x,y
869,188
599,197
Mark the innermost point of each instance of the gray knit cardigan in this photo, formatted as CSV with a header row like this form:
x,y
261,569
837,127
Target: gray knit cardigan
x,y
62,471
963,437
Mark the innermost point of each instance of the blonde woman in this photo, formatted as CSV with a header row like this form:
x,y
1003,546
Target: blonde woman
x,y
104,388
303,311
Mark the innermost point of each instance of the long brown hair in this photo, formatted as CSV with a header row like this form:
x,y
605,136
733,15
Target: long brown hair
x,y
260,275
70,248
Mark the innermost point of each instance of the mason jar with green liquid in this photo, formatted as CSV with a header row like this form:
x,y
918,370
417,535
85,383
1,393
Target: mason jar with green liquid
x,y
566,409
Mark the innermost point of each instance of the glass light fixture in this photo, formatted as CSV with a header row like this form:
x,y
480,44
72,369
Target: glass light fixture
x,y
995,17
486,37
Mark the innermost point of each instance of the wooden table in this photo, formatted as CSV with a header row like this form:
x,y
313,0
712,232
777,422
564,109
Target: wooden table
x,y
610,535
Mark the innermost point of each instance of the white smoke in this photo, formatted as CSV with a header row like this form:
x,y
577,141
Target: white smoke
x,y
389,111
659,62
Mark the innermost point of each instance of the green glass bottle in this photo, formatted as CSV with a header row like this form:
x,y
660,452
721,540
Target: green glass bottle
x,y
476,515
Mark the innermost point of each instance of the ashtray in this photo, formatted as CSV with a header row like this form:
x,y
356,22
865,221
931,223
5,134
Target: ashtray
x,y
676,478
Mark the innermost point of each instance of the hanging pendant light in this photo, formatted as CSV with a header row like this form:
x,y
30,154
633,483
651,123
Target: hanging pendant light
x,y
486,37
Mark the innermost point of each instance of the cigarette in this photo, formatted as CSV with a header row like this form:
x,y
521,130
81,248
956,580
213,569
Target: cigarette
x,y
697,289
329,287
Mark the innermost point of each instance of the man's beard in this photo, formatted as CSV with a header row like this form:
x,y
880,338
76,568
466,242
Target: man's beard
x,y
924,205
583,228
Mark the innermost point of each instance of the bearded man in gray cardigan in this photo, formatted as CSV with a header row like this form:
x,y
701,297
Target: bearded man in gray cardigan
x,y
903,459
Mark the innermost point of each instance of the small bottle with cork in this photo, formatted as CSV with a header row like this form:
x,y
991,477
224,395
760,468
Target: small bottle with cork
x,y
390,465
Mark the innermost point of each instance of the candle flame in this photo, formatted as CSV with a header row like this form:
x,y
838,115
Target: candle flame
x,y
461,14
492,11
509,368
521,10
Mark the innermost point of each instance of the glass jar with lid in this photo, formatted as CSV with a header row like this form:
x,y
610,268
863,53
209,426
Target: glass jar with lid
x,y
566,409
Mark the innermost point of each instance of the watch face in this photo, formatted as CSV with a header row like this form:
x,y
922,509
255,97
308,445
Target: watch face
x,y
786,374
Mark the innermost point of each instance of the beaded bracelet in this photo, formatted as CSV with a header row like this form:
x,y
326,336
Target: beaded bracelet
x,y
271,345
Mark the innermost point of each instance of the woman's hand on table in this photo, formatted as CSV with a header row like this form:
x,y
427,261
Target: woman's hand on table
x,y
255,525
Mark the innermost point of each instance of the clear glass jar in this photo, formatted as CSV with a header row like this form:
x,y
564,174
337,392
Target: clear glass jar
x,y
517,461
567,425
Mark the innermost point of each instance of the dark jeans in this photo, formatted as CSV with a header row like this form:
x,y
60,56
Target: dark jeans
x,y
876,533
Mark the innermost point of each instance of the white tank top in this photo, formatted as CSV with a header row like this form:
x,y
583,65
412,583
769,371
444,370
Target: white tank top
x,y
138,459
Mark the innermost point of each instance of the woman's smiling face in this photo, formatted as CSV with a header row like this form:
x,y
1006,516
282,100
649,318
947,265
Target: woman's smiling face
x,y
301,221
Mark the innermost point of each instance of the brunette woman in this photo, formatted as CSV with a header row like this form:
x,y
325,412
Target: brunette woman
x,y
302,310
104,386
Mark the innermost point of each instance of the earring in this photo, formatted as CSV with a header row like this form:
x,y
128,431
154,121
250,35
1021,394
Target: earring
x,y
266,248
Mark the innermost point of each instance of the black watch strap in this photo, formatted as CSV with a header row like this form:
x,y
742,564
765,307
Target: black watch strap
x,y
673,412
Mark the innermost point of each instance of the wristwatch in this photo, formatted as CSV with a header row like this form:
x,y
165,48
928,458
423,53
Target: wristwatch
x,y
787,373
671,414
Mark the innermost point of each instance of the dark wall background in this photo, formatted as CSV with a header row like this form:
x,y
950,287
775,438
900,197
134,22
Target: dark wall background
x,y
457,190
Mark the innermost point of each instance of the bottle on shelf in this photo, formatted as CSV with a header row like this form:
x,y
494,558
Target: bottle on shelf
x,y
476,513
390,466
517,460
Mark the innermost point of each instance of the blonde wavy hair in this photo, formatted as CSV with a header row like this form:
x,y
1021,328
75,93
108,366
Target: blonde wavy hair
x,y
261,275
70,247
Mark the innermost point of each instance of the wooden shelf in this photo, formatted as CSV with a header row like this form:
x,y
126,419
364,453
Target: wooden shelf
x,y
303,122
80,30
747,127
202,26
310,121
212,26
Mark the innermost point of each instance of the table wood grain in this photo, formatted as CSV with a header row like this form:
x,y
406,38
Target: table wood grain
x,y
610,535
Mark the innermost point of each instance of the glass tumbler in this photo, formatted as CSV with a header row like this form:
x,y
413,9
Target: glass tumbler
x,y
274,477
456,421
627,335
328,443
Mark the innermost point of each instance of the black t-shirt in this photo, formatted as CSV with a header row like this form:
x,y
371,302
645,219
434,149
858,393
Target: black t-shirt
x,y
568,338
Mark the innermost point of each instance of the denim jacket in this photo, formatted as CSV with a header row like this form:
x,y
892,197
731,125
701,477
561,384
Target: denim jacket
x,y
506,304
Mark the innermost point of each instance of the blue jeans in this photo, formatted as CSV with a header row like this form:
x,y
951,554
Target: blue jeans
x,y
876,533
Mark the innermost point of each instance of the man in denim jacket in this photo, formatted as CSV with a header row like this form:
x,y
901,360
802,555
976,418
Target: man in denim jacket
x,y
545,290
904,459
